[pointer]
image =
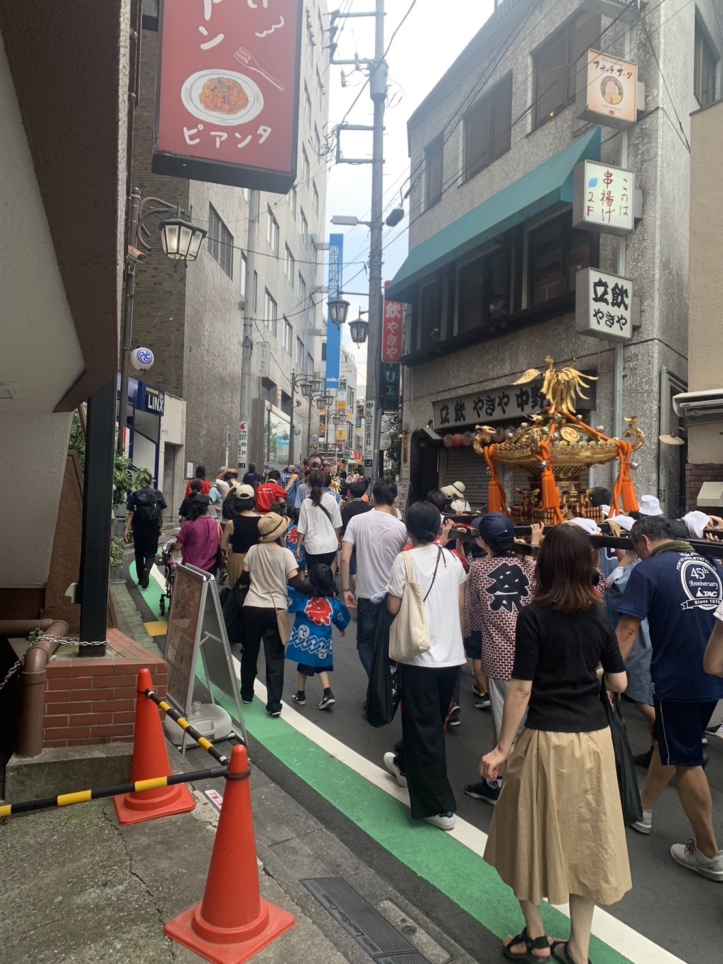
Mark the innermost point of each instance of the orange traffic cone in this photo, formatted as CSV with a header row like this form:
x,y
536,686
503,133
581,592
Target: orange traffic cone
x,y
150,759
232,923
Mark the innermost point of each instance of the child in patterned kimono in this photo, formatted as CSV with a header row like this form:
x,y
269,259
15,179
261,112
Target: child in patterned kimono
x,y
310,643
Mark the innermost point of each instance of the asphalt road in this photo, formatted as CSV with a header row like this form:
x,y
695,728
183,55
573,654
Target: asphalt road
x,y
673,907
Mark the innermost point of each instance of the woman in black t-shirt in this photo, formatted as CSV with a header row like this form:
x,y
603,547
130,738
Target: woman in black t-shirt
x,y
240,531
558,830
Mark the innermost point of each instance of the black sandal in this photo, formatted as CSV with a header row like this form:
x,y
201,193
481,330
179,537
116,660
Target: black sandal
x,y
530,945
567,958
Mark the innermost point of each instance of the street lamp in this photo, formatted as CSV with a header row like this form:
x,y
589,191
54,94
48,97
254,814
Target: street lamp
x,y
180,240
358,329
338,310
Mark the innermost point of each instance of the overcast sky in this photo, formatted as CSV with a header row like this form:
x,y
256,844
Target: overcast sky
x,y
433,35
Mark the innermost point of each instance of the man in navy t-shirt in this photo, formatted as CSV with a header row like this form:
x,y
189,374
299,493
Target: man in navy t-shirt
x,y
678,591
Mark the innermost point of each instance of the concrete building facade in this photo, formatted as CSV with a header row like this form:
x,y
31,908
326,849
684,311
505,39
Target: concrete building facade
x,y
192,318
705,423
503,112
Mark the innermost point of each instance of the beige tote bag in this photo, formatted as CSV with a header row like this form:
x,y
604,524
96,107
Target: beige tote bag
x,y
409,633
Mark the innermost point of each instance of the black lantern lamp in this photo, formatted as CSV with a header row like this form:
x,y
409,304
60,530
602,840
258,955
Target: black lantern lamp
x,y
338,310
181,240
358,330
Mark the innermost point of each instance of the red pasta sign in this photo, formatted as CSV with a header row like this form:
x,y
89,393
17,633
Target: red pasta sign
x,y
228,92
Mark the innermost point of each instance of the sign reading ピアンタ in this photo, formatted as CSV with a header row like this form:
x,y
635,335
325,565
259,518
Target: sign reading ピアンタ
x,y
607,91
228,92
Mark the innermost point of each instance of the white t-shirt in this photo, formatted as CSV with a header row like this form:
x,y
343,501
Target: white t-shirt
x,y
315,526
379,537
442,603
269,566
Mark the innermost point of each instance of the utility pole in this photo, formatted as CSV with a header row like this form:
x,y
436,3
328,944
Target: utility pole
x,y
249,308
378,92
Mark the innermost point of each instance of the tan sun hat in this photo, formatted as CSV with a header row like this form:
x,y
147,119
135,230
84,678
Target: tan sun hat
x,y
454,491
272,527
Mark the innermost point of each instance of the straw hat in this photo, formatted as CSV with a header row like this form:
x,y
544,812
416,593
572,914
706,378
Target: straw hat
x,y
272,527
454,491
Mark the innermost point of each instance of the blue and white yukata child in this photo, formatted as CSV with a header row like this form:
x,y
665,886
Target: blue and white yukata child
x,y
311,640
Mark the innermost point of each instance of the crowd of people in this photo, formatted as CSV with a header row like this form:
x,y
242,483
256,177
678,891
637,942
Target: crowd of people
x,y
553,629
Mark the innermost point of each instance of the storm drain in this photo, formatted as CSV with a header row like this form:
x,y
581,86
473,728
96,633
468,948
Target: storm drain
x,y
364,923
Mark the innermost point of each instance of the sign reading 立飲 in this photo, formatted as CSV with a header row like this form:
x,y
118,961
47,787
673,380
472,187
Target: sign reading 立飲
x,y
604,198
228,92
607,91
603,305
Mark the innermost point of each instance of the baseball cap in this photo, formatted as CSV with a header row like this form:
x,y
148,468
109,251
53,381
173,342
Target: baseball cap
x,y
494,525
650,505
242,491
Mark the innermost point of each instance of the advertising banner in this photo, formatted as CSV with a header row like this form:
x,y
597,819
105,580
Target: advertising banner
x,y
603,198
392,330
603,305
607,91
227,107
333,334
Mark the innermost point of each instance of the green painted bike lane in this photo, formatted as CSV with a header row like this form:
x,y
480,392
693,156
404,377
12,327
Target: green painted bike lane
x,y
439,859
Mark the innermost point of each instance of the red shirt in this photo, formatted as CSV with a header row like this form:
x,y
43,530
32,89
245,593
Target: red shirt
x,y
268,493
205,488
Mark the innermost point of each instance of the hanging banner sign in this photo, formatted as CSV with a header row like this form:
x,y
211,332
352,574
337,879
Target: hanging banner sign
x,y
263,359
243,442
392,330
333,332
603,305
389,387
369,434
603,198
228,92
607,91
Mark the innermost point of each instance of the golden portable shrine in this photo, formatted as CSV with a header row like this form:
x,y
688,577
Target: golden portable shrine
x,y
557,449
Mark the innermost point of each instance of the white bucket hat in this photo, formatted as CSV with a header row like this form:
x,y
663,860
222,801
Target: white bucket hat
x,y
624,521
454,491
589,525
650,505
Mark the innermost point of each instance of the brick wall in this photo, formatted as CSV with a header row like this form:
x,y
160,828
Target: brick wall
x,y
695,476
91,701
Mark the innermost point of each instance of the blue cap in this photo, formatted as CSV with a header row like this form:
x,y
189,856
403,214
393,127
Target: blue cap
x,y
494,525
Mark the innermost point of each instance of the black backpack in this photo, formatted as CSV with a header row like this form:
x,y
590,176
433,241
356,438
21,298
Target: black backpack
x,y
147,509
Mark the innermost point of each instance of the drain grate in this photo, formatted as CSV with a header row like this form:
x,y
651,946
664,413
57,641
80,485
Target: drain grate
x,y
364,923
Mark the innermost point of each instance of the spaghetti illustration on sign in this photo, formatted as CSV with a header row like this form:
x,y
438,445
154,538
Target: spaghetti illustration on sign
x,y
223,95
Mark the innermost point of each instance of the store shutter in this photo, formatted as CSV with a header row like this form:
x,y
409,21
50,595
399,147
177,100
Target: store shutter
x,y
464,465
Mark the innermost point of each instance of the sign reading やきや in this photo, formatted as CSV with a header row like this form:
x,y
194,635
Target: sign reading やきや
x,y
603,305
228,92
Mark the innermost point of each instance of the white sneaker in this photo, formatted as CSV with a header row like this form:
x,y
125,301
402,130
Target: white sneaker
x,y
688,855
646,824
445,821
390,762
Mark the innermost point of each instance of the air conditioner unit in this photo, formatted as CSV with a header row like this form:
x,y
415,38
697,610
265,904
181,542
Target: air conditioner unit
x,y
700,406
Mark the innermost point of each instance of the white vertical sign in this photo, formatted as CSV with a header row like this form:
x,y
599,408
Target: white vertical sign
x,y
369,411
243,440
603,198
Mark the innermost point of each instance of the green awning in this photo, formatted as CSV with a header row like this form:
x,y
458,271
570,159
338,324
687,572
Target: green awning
x,y
548,184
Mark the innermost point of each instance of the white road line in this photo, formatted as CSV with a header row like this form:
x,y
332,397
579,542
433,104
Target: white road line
x,y
616,934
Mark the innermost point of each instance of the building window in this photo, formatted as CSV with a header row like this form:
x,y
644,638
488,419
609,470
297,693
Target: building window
x,y
319,88
556,252
247,195
287,335
256,291
305,168
557,65
270,312
289,265
299,353
244,264
487,133
310,42
704,69
433,172
483,290
317,141
307,103
315,198
292,200
272,232
323,351
312,311
304,228
309,363
302,290
220,241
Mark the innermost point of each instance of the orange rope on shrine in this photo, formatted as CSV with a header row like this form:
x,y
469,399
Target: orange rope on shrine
x,y
550,494
624,497
496,498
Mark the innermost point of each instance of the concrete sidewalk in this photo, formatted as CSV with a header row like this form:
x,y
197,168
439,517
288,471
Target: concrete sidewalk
x,y
78,888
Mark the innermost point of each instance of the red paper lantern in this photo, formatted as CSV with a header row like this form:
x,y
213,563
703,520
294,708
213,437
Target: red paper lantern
x,y
448,441
457,441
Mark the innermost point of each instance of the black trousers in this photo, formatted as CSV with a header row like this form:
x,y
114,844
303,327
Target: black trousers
x,y
426,694
261,625
145,544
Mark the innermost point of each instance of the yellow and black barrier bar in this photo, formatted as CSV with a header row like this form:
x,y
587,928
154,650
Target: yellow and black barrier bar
x,y
185,725
83,796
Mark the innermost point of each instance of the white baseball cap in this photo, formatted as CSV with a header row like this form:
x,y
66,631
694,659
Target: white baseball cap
x,y
589,525
650,505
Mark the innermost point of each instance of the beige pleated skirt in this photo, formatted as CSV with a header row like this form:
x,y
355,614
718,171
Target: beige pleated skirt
x,y
234,566
558,826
